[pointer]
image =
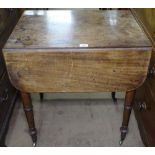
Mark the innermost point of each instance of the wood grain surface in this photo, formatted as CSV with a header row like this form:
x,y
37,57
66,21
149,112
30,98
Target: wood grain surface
x,y
87,70
70,28
43,54
145,17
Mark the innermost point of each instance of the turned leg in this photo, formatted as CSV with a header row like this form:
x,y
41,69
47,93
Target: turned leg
x,y
126,114
27,105
41,96
113,94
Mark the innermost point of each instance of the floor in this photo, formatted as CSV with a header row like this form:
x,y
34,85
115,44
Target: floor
x,y
73,122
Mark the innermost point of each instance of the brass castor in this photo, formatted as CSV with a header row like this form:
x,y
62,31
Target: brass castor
x,y
120,142
34,144
124,131
33,134
128,104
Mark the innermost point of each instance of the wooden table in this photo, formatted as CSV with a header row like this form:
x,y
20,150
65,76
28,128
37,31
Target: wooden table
x,y
77,51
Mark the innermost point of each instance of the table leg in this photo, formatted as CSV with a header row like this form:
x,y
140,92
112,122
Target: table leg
x,y
113,94
126,114
27,105
41,96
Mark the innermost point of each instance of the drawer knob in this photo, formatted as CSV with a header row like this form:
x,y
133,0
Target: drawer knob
x,y
151,72
141,106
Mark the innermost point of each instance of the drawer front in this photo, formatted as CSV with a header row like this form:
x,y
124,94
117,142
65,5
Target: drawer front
x,y
145,114
7,93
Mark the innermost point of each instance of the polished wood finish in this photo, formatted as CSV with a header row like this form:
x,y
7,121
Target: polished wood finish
x,y
27,104
145,116
8,19
85,70
129,97
71,28
56,48
146,19
8,94
145,95
77,51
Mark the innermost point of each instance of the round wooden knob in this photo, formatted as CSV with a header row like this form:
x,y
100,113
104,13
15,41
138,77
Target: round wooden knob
x,y
141,106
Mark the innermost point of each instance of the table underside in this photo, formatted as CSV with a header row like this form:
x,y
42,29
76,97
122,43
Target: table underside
x,y
74,70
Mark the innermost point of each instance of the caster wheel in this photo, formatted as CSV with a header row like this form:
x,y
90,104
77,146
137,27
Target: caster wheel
x,y
120,142
34,144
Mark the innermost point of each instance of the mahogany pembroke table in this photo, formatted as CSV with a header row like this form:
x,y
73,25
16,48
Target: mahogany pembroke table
x,y
77,51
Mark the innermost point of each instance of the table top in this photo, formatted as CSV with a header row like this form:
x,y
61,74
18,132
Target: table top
x,y
77,28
